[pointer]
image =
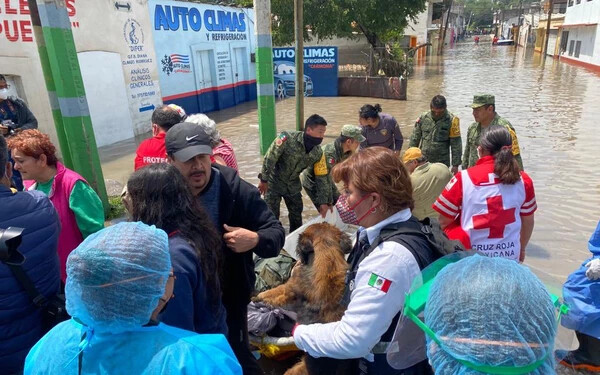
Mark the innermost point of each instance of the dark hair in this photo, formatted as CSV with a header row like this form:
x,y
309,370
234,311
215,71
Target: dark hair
x,y
343,138
166,117
160,196
2,78
497,141
438,101
378,170
314,121
3,156
486,106
369,111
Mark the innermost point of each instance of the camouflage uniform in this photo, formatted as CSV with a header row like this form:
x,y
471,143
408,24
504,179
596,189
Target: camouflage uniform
x,y
474,134
436,138
333,155
282,165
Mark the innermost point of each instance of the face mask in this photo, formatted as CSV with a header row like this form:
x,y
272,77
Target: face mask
x,y
311,142
4,94
347,213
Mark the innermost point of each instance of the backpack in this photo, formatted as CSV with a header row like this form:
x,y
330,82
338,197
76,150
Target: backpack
x,y
53,310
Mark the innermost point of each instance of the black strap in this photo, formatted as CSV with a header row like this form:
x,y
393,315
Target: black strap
x,y
35,296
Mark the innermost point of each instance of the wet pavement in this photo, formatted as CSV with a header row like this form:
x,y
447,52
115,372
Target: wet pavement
x,y
552,105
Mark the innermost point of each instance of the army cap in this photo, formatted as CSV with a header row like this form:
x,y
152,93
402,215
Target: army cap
x,y
411,154
186,140
353,131
482,99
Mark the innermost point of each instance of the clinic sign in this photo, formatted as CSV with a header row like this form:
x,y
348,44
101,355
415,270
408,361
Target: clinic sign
x,y
320,71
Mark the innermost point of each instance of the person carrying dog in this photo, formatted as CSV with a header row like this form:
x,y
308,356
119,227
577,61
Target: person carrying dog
x,y
383,265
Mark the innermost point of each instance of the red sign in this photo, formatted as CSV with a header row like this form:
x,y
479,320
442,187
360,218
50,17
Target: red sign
x,y
19,29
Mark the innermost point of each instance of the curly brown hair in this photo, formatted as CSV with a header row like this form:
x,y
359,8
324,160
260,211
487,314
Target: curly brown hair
x,y
34,143
378,170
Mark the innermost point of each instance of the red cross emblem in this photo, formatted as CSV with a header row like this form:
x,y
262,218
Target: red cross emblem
x,y
496,219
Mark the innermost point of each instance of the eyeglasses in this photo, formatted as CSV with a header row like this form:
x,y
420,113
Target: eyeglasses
x,y
414,305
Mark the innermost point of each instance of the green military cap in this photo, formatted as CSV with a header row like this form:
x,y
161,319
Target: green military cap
x,y
482,99
353,131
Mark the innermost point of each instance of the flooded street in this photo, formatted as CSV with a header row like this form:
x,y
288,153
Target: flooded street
x,y
551,106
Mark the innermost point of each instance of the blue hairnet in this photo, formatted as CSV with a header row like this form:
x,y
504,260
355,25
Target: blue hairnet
x,y
116,276
489,311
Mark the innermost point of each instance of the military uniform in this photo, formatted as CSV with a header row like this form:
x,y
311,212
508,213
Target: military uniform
x,y
333,154
436,138
282,165
470,156
386,134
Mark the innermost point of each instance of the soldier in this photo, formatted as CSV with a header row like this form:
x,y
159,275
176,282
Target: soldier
x,y
379,129
484,112
348,141
289,155
437,132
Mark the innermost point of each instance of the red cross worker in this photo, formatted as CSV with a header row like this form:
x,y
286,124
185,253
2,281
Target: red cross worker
x,y
492,202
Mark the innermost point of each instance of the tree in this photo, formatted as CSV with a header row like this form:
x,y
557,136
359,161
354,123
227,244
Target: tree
x,y
382,22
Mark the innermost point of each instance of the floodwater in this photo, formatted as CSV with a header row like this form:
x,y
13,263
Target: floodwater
x,y
552,105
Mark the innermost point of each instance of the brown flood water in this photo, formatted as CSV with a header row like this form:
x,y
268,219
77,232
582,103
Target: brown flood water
x,y
553,107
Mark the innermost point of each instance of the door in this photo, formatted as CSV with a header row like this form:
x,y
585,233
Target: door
x,y
239,67
203,71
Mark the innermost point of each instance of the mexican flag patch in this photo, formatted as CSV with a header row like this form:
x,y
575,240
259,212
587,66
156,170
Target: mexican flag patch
x,y
379,282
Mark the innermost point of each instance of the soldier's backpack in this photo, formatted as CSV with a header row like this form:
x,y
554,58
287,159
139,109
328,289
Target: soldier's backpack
x,y
271,272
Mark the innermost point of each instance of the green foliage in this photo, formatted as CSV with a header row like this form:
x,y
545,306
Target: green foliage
x,y
117,209
379,20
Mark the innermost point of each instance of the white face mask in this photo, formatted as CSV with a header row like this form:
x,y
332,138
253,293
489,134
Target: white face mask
x,y
4,94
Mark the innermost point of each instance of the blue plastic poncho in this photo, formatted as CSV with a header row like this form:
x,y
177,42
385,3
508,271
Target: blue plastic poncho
x,y
582,295
114,281
489,311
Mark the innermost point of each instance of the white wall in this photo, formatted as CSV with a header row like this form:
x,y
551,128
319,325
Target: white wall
x,y
586,12
97,26
106,94
418,28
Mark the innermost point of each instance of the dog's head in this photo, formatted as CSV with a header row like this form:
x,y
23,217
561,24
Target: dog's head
x,y
321,234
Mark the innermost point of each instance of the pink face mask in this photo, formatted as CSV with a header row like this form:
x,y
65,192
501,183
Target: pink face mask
x,y
347,213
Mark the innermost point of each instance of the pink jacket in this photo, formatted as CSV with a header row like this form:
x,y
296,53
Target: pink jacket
x,y
70,237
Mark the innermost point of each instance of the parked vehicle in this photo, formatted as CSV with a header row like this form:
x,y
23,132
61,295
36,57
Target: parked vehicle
x,y
284,74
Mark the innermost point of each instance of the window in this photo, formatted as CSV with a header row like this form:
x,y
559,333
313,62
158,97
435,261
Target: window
x,y
564,40
570,3
577,48
578,2
571,46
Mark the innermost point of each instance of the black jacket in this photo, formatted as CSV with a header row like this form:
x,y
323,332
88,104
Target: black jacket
x,y
25,118
240,205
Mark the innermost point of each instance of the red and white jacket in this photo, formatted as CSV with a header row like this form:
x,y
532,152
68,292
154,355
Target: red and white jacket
x,y
488,211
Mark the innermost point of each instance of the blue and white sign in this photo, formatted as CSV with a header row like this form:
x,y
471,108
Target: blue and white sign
x,y
320,71
203,54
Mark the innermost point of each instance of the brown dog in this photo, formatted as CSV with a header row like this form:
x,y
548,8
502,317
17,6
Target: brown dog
x,y
315,289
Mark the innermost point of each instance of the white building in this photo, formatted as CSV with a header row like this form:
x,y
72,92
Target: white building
x,y
580,40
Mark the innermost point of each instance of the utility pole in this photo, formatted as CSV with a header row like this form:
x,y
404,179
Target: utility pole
x,y
56,47
299,36
519,23
544,51
441,46
264,74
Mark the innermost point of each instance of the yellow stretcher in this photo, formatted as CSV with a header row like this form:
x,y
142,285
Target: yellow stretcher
x,y
274,347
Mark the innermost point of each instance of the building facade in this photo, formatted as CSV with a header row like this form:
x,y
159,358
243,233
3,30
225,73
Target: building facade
x,y
135,55
580,39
